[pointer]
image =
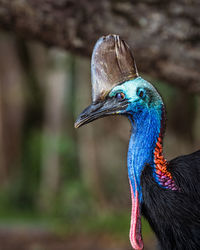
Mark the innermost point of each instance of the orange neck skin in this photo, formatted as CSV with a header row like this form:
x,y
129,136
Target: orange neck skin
x,y
162,176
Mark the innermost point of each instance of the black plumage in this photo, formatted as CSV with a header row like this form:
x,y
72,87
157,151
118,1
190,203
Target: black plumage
x,y
175,215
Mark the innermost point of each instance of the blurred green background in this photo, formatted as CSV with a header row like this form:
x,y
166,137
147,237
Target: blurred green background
x,y
62,188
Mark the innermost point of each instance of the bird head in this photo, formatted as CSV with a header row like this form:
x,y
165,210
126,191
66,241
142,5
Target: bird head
x,y
131,98
117,88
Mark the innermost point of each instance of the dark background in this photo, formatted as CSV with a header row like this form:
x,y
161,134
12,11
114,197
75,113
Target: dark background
x,y
62,188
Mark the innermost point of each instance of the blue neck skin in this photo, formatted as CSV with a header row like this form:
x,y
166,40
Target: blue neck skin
x,y
145,132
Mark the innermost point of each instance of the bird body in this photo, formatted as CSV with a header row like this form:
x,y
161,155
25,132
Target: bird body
x,y
174,215
166,193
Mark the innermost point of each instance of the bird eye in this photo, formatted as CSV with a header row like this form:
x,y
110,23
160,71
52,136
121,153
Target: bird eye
x,y
120,96
141,93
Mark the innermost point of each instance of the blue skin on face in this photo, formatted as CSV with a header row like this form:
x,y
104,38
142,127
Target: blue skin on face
x,y
139,93
145,113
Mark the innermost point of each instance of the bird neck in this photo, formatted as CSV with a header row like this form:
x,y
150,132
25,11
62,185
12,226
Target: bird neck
x,y
144,135
146,127
146,148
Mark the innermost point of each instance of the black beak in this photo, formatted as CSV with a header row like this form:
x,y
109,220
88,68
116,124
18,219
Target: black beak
x,y
109,106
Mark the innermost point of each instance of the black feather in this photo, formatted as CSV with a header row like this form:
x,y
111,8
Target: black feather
x,y
175,215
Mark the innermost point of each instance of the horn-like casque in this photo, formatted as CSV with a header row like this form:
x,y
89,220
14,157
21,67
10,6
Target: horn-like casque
x,y
112,63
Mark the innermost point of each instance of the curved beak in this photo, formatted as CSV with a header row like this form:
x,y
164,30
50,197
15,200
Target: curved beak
x,y
109,106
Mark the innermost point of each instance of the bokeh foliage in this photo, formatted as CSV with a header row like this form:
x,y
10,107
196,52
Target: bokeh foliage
x,y
50,173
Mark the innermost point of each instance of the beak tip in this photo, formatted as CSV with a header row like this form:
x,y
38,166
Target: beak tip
x,y
76,124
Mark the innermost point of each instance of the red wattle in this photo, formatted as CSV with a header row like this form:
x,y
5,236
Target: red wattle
x,y
135,228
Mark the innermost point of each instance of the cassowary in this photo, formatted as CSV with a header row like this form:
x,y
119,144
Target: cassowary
x,y
167,193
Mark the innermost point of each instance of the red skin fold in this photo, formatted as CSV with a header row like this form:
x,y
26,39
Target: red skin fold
x,y
135,227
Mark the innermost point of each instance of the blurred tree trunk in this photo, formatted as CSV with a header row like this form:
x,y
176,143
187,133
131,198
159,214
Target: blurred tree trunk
x,y
72,88
2,164
87,143
55,88
164,34
197,123
11,107
183,115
